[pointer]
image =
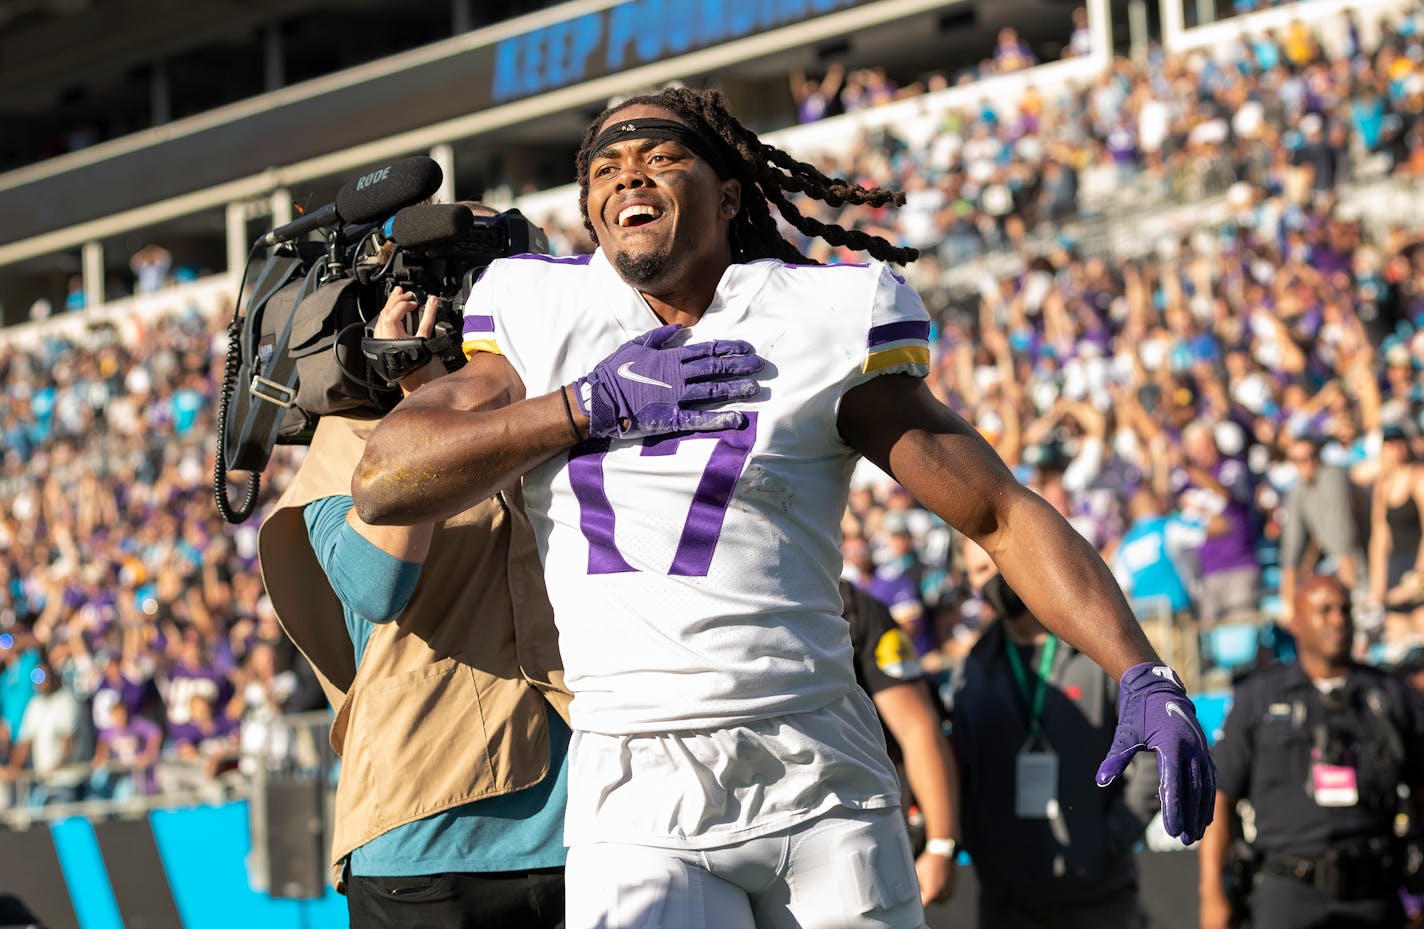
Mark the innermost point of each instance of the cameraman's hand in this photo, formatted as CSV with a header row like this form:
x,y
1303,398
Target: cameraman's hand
x,y
393,322
648,387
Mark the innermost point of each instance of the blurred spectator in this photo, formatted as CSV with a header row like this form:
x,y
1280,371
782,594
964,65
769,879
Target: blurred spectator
x,y
203,749
126,759
74,294
891,582
1396,537
815,99
1322,157
1216,494
48,740
150,266
867,87
1151,558
1011,53
19,657
263,690
192,674
1317,509
1080,43
120,681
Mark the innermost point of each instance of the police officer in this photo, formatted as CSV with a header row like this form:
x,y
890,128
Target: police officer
x,y
1318,749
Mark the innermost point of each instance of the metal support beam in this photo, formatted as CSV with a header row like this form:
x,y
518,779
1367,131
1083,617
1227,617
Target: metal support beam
x,y
91,263
1173,24
237,244
1100,25
461,18
281,200
274,62
1138,39
160,94
444,156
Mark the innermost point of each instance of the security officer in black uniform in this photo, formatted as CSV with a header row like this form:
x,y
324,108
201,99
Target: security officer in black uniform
x,y
1318,749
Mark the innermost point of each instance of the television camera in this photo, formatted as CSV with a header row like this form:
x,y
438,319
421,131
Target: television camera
x,y
301,348
439,250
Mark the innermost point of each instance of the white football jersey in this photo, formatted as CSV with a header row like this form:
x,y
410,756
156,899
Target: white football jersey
x,y
693,576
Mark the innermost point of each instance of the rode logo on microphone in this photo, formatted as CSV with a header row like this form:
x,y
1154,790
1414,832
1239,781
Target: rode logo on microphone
x,y
375,177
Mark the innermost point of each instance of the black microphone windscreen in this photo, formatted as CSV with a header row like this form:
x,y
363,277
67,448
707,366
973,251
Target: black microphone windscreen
x,y
381,191
431,222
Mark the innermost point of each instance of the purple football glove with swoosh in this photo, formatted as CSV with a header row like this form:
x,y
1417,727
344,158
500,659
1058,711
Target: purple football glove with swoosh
x,y
648,387
1154,712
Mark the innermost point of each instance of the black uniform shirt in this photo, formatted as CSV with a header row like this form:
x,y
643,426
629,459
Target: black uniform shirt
x,y
884,655
1279,717
1088,855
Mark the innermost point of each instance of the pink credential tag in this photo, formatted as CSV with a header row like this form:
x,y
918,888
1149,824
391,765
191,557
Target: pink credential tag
x,y
1334,785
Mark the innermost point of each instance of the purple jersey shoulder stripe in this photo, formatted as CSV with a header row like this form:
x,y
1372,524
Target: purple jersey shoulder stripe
x,y
895,332
550,259
475,323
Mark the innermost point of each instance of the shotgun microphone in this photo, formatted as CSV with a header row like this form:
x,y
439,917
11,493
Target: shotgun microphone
x,y
372,196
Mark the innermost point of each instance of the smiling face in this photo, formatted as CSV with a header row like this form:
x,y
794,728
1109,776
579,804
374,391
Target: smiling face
x,y
660,213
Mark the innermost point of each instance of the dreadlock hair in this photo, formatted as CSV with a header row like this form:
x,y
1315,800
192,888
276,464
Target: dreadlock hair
x,y
767,175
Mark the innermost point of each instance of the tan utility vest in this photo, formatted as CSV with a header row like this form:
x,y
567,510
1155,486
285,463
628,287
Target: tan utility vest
x,y
448,704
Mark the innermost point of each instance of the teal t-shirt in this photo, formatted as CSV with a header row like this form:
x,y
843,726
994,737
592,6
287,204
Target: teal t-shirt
x,y
513,832
17,686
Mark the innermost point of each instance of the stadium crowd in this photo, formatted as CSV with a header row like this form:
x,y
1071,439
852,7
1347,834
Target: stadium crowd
x,y
1155,399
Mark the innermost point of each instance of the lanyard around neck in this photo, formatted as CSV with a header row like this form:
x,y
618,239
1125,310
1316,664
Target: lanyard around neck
x,y
1035,697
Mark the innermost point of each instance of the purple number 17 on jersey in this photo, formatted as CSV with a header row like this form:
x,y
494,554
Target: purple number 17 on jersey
x,y
704,517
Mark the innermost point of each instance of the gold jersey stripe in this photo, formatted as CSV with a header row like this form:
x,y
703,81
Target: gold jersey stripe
x,y
905,354
473,346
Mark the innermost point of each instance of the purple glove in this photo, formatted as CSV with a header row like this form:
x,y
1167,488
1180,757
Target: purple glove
x,y
645,389
1153,712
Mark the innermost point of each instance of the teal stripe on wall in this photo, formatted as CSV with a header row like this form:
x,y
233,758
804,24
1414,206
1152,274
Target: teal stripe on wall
x,y
85,874
204,852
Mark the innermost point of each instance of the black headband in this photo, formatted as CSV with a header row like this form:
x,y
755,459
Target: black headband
x,y
670,130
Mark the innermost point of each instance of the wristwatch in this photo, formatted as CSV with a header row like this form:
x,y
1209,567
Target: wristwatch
x,y
945,848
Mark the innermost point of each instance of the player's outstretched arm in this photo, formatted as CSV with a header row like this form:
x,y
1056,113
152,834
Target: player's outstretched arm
x,y
896,422
939,458
454,442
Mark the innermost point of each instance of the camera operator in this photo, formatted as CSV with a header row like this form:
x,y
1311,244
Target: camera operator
x,y
436,646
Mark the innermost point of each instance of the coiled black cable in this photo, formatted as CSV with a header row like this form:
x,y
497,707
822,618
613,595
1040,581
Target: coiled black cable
x,y
230,369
